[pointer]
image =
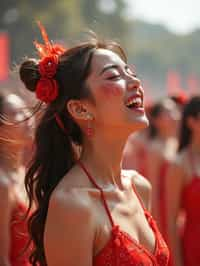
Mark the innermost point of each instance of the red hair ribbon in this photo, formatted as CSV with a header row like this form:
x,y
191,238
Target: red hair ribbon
x,y
60,123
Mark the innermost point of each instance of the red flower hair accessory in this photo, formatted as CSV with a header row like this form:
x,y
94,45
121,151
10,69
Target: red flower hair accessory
x,y
47,90
47,87
48,66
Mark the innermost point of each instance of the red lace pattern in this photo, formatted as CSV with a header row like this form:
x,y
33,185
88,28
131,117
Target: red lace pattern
x,y
123,250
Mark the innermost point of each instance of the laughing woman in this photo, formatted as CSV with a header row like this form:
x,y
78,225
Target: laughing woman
x,y
89,211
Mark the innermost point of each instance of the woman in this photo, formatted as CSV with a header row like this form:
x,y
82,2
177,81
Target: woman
x,y
13,232
164,119
85,203
183,190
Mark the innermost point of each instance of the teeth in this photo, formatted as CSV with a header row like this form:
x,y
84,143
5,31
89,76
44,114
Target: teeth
x,y
136,100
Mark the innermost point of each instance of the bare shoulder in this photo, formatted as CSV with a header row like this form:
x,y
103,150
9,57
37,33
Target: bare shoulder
x,y
70,226
70,202
71,194
142,185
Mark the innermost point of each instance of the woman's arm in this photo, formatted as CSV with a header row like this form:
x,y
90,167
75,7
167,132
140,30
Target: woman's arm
x,y
174,187
69,233
5,207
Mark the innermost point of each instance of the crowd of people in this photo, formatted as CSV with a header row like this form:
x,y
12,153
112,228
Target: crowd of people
x,y
168,154
99,178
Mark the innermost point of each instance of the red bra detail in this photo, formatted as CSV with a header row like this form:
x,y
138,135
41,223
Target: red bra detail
x,y
191,196
162,207
122,249
191,229
190,201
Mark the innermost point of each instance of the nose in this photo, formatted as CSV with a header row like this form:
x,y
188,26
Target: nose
x,y
133,83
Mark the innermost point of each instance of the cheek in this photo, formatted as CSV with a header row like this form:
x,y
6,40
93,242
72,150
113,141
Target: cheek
x,y
110,90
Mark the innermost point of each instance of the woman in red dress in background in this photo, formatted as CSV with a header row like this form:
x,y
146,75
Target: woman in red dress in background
x,y
164,119
13,140
135,153
183,190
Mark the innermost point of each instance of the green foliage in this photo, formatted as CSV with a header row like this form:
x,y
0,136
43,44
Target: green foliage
x,y
151,48
155,50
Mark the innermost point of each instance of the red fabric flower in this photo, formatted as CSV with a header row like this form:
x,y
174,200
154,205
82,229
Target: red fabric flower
x,y
48,66
47,90
47,86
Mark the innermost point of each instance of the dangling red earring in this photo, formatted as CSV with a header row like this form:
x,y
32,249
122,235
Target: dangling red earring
x,y
89,129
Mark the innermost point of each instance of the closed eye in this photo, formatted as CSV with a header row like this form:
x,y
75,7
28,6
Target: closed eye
x,y
113,77
130,72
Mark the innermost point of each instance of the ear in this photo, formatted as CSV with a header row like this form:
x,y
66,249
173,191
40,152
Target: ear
x,y
77,109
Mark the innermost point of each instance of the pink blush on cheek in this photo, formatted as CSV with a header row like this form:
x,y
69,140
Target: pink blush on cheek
x,y
109,92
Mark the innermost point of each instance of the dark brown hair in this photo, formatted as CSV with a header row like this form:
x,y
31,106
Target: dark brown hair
x,y
54,155
154,112
191,109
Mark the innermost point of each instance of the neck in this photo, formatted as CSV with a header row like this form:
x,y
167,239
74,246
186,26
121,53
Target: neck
x,y
102,157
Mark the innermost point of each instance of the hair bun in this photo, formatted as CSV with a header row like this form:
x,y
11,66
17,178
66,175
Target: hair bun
x,y
29,73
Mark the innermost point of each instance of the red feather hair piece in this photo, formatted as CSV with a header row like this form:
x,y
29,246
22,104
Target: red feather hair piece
x,y
47,49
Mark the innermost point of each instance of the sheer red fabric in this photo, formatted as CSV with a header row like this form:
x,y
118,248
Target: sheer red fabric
x,y
162,203
191,232
19,237
123,250
162,197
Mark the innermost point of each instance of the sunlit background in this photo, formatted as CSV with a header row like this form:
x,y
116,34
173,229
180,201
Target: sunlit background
x,y
161,38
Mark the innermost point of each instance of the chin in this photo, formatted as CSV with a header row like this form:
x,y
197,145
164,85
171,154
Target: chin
x,y
140,123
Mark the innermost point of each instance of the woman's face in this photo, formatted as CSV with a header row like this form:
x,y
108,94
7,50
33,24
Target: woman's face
x,y
194,124
117,92
169,118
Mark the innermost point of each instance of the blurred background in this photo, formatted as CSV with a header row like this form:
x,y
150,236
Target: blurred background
x,y
161,38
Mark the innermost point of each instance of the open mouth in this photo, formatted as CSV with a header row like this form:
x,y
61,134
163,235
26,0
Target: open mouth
x,y
135,101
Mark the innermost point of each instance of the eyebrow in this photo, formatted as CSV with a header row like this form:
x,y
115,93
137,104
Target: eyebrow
x,y
108,67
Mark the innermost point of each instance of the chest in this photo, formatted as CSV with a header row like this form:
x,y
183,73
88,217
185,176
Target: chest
x,y
126,212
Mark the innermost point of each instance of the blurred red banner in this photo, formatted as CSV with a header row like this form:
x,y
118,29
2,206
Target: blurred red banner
x,y
173,82
193,84
4,56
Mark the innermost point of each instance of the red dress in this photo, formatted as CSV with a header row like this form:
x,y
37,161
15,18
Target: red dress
x,y
162,208
19,237
122,249
191,232
162,203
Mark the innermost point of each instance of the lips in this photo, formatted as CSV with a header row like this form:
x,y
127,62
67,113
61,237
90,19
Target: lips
x,y
135,101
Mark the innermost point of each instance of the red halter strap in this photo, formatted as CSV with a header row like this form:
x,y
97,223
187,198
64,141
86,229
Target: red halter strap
x,y
101,191
60,123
